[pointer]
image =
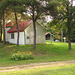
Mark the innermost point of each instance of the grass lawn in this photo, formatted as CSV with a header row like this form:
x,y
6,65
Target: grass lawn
x,y
43,53
62,70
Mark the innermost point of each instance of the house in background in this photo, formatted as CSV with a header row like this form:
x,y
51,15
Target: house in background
x,y
26,34
48,36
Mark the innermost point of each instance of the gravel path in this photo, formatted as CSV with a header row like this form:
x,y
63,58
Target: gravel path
x,y
36,65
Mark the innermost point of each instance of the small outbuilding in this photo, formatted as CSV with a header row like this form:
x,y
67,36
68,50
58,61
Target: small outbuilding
x,y
26,33
49,36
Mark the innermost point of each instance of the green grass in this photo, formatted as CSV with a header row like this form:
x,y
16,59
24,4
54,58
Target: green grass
x,y
62,70
56,51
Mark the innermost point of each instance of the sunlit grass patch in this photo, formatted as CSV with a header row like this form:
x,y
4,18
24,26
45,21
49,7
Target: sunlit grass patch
x,y
56,51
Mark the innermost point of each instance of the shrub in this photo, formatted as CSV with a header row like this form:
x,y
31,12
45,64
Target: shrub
x,y
22,56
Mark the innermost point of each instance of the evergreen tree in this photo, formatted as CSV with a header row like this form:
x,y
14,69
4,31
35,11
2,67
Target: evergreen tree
x,y
3,8
17,7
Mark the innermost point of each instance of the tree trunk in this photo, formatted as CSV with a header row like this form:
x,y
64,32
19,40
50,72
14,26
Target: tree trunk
x,y
68,26
61,35
17,29
0,27
69,40
3,28
1,32
34,28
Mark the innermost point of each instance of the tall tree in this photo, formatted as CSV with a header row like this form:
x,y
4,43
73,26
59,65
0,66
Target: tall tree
x,y
0,26
0,29
3,8
68,16
0,23
17,29
66,13
17,7
36,9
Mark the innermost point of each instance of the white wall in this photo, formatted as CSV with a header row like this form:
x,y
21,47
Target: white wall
x,y
13,40
21,38
7,34
40,34
29,32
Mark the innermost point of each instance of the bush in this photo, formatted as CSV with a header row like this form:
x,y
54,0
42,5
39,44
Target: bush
x,y
22,56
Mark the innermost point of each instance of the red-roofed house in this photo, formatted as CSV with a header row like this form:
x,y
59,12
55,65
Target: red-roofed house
x,y
26,33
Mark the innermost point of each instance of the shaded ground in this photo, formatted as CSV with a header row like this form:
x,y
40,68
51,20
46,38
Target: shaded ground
x,y
36,65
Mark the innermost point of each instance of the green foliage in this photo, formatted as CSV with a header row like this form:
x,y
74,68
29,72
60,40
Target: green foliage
x,y
73,34
36,9
16,6
52,7
22,56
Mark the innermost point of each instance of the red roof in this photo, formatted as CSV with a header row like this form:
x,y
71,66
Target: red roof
x,y
9,24
21,26
47,33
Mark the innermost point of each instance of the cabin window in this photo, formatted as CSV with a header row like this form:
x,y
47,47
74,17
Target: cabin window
x,y
12,36
28,37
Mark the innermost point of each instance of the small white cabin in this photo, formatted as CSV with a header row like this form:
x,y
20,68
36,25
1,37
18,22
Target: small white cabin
x,y
26,35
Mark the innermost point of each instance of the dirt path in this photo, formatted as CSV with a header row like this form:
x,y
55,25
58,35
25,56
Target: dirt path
x,y
36,65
